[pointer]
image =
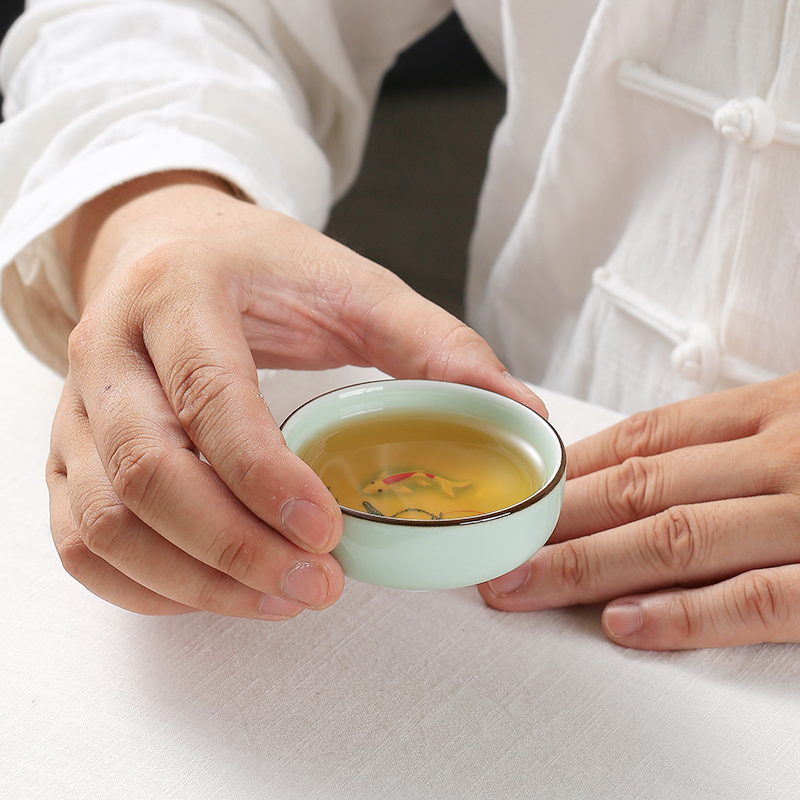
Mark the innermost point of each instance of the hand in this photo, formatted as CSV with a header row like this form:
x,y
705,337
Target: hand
x,y
186,291
688,517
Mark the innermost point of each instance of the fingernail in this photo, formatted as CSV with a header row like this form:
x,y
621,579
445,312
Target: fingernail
x,y
277,608
623,619
525,391
308,584
307,521
511,581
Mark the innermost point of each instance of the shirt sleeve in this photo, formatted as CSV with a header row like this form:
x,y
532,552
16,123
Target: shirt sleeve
x,y
274,97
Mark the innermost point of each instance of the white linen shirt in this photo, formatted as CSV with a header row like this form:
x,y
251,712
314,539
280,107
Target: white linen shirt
x,y
638,231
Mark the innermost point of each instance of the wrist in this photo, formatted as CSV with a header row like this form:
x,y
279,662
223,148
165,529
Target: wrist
x,y
127,218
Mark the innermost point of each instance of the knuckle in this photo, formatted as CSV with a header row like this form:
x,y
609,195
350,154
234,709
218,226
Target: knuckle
x,y
759,604
234,553
195,387
80,341
54,466
239,459
242,472
168,275
571,563
672,541
637,435
212,593
462,338
445,360
100,522
136,468
686,624
630,487
174,257
74,554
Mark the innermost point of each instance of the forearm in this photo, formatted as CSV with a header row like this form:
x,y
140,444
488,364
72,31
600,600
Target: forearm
x,y
275,101
82,119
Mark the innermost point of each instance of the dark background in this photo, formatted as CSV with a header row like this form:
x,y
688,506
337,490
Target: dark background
x,y
413,206
9,11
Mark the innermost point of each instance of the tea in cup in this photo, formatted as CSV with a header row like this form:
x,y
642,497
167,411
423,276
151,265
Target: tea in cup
x,y
440,484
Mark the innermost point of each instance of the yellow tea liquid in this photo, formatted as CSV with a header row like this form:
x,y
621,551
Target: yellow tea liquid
x,y
410,466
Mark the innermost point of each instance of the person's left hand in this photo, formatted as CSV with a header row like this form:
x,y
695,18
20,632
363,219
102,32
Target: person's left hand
x,y
688,518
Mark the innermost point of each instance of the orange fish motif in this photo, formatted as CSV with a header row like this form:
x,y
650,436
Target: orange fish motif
x,y
405,482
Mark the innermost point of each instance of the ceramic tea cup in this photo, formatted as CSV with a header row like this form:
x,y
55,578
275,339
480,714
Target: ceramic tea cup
x,y
436,552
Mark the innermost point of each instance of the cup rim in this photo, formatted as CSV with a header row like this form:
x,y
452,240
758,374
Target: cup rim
x,y
538,495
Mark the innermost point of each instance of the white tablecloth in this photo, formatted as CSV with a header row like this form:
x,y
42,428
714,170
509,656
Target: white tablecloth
x,y
387,695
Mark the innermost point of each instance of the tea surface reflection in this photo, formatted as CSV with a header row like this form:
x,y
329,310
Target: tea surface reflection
x,y
414,466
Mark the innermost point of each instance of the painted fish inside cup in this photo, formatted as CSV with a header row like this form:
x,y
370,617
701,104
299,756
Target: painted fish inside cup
x,y
406,482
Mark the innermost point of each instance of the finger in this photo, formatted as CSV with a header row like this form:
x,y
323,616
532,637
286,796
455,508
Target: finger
x,y
641,486
754,607
685,545
105,546
154,471
209,377
717,417
210,380
96,574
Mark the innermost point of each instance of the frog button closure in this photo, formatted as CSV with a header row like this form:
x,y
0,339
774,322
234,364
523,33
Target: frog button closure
x,y
698,358
750,121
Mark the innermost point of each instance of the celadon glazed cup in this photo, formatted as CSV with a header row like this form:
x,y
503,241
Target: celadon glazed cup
x,y
438,553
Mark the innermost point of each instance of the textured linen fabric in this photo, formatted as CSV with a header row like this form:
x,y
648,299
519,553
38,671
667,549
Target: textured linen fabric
x,y
632,247
385,696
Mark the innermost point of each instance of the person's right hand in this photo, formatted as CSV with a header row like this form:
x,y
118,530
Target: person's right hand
x,y
171,486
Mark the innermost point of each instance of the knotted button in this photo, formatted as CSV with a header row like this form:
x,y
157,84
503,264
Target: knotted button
x,y
698,358
750,121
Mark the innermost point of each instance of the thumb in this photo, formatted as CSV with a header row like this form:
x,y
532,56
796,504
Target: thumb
x,y
371,317
411,337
